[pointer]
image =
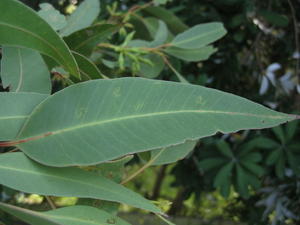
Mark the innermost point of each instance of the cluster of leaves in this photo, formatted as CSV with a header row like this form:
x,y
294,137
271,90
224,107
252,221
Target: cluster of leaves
x,y
76,141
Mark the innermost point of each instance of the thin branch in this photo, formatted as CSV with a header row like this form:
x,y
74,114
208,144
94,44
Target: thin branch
x,y
148,164
50,202
179,76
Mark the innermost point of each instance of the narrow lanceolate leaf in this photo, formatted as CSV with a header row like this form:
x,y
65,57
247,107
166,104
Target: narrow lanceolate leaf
x,y
21,26
85,40
73,215
24,70
14,110
68,182
87,68
83,17
191,55
199,36
112,118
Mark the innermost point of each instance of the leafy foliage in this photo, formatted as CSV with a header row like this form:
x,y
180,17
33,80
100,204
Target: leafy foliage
x,y
90,125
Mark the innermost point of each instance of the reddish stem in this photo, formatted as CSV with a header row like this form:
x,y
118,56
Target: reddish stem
x,y
13,143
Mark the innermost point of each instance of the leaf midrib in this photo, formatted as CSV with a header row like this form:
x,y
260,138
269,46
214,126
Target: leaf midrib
x,y
13,117
101,122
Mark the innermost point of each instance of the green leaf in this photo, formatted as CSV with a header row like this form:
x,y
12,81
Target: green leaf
x,y
152,71
241,182
280,165
291,129
113,170
252,157
21,26
172,154
79,215
191,55
174,23
67,182
199,36
34,218
152,25
224,174
24,70
15,109
52,16
87,68
161,35
133,115
253,168
84,41
83,17
73,215
273,157
161,2
257,143
278,131
223,178
211,163
224,149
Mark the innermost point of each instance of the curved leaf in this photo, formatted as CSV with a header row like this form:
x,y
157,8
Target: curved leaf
x,y
55,19
173,153
191,55
73,215
161,35
19,172
15,109
173,22
87,68
24,70
21,26
84,41
112,118
83,17
211,163
199,36
34,218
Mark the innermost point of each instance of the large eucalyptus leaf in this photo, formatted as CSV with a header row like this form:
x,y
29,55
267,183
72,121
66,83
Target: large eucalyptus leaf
x,y
21,26
73,215
24,70
83,17
15,109
100,120
20,173
191,55
199,36
85,40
